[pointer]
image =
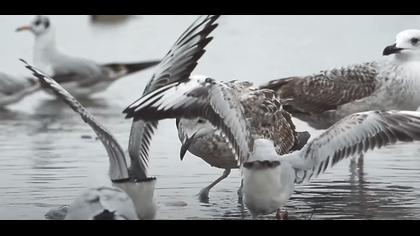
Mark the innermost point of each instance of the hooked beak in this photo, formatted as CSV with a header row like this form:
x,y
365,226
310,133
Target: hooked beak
x,y
186,145
391,50
24,28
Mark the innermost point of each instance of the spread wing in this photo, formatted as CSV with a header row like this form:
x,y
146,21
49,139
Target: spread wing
x,y
118,165
353,135
327,90
176,65
199,97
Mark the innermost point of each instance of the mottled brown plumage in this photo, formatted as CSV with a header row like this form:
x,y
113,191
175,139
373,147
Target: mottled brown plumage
x,y
267,119
328,89
312,96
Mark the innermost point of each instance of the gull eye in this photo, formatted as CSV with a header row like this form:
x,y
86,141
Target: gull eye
x,y
47,24
37,22
414,41
200,121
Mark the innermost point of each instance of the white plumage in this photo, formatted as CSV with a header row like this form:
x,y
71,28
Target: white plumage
x,y
81,77
133,190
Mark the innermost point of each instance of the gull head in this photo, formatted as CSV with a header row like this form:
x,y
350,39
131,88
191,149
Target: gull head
x,y
39,26
191,129
407,45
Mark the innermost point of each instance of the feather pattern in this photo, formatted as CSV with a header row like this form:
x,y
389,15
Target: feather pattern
x,y
354,135
176,65
118,165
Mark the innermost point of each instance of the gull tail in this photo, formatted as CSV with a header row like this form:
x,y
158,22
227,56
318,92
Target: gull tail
x,y
118,70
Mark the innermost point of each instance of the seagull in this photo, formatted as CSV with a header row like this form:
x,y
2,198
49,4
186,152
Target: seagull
x,y
177,64
14,89
391,83
261,136
81,77
207,143
132,194
270,167
204,140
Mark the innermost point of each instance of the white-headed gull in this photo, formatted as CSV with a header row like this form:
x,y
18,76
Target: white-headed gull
x,y
392,83
81,77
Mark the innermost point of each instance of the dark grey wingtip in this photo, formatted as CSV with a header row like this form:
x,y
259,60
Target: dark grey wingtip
x,y
105,215
302,139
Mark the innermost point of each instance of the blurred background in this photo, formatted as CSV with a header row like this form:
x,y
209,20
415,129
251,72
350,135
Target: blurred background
x,y
48,155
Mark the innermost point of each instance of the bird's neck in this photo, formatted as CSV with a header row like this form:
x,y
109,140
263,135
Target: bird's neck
x,y
142,195
45,49
405,58
264,150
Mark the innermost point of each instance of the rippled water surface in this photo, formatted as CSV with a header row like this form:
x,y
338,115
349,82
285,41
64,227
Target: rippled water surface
x,y
47,157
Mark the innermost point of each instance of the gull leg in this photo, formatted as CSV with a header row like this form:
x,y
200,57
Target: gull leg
x,y
360,161
353,160
240,194
204,193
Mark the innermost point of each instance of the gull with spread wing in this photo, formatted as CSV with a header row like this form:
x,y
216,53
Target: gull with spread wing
x,y
178,64
131,196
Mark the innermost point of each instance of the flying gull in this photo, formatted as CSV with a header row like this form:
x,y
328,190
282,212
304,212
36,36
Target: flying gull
x,y
389,84
81,77
131,196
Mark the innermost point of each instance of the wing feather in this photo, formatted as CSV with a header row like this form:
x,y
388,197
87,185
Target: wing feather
x,y
176,65
201,97
354,135
118,166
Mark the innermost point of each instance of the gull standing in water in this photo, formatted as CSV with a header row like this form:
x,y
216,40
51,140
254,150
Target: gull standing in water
x,y
262,139
390,84
81,77
132,195
14,89
198,136
261,136
204,140
178,64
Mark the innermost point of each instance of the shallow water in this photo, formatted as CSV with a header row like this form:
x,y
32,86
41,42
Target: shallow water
x,y
47,157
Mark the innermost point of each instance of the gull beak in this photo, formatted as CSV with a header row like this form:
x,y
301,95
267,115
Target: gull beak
x,y
186,145
24,28
393,49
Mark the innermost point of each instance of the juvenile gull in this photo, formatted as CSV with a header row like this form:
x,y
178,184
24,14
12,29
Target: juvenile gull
x,y
389,84
81,77
132,195
178,64
14,89
197,135
204,140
